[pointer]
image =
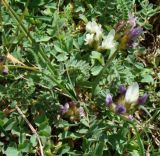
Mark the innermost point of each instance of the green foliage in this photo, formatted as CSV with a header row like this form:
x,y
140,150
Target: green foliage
x,y
51,65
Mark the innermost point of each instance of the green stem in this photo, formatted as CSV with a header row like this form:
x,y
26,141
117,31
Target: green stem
x,y
97,79
141,146
23,67
21,26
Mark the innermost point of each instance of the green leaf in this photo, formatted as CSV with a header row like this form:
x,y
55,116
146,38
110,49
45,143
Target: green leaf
x,y
57,48
97,56
1,118
83,17
134,153
11,151
69,43
83,131
1,143
147,79
100,148
84,122
44,130
33,140
25,147
43,39
67,134
96,70
62,57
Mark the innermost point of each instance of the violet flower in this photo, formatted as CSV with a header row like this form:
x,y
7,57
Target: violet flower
x,y
130,117
108,100
81,112
142,99
122,90
133,34
64,108
132,20
120,109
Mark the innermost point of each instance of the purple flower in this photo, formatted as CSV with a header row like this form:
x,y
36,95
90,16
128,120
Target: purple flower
x,y
5,71
142,99
120,109
108,100
132,20
130,117
81,112
133,34
64,108
122,90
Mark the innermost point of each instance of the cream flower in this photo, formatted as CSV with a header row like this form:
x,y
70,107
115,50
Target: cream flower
x,y
93,27
98,35
132,93
89,39
108,41
96,29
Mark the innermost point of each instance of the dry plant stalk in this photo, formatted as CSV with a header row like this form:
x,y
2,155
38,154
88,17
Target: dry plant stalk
x,y
32,129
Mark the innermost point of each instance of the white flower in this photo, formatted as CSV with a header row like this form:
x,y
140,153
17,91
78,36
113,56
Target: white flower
x,y
132,93
93,27
109,42
99,34
89,39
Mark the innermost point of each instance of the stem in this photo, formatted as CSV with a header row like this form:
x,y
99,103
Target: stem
x,y
32,129
21,26
141,146
23,67
97,79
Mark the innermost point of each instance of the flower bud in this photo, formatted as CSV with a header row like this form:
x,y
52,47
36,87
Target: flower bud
x,y
122,90
130,117
64,108
132,20
81,112
120,109
133,35
108,100
142,99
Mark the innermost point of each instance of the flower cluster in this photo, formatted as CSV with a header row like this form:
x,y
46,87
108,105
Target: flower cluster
x,y
96,38
71,111
128,99
126,32
131,32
